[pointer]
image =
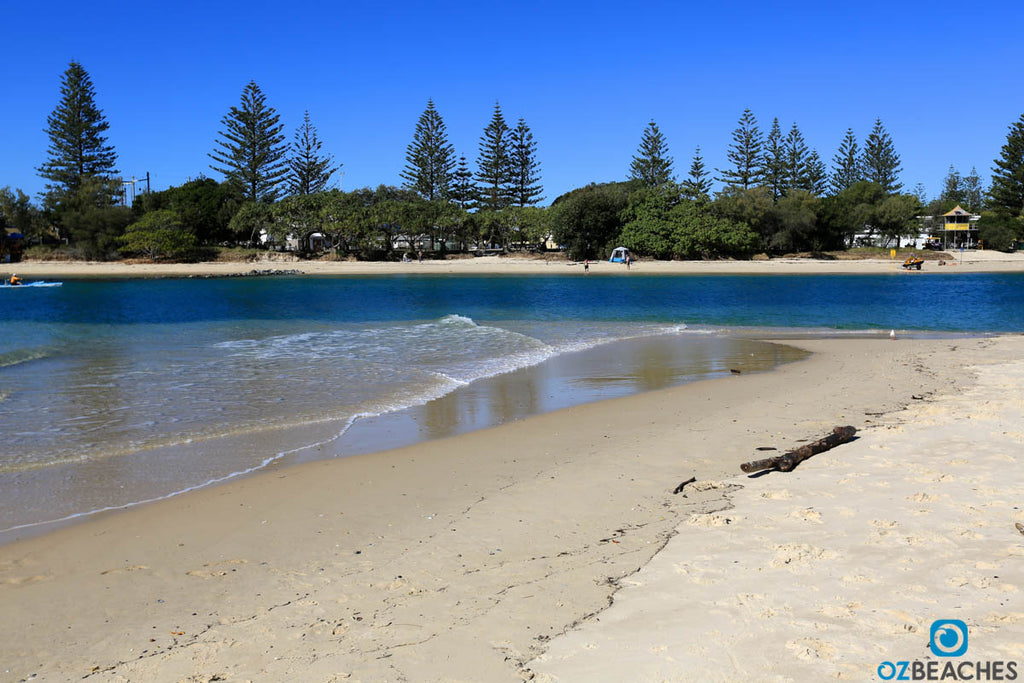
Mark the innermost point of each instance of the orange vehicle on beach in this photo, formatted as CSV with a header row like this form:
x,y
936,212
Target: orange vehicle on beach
x,y
913,262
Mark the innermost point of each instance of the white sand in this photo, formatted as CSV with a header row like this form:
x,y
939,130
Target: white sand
x,y
828,571
461,559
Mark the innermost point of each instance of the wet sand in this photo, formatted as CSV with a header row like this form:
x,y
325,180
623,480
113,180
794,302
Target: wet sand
x,y
37,500
465,558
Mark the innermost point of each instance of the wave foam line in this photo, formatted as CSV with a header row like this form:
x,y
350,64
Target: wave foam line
x,y
455,384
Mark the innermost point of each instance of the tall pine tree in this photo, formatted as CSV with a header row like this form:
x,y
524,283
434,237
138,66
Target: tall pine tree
x,y
846,166
974,192
817,176
494,166
774,161
879,161
525,181
309,170
463,191
697,185
744,154
1007,190
78,148
251,151
796,176
652,164
430,158
952,187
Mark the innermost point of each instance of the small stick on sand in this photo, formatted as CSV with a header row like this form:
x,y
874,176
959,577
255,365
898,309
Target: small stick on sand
x,y
788,461
681,486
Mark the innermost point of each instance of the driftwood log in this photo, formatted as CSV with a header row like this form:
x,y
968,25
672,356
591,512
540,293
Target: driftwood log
x,y
679,488
787,461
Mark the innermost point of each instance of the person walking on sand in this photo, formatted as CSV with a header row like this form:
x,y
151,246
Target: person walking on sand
x,y
586,266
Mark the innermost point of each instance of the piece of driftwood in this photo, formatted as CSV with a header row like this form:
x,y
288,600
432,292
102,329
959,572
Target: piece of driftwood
x,y
683,485
787,461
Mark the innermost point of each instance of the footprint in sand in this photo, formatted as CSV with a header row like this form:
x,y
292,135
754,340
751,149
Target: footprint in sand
x,y
710,520
800,555
22,580
807,515
211,570
809,649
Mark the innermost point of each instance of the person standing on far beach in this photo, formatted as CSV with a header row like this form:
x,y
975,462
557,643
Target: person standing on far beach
x,y
586,266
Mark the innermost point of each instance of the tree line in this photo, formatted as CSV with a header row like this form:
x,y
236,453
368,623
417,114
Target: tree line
x,y
776,194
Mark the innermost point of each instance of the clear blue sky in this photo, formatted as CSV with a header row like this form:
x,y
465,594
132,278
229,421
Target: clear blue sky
x,y
944,77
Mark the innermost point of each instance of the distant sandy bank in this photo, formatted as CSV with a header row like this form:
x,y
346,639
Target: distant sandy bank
x,y
973,261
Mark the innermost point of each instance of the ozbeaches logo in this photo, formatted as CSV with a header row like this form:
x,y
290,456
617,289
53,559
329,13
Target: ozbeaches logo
x,y
948,638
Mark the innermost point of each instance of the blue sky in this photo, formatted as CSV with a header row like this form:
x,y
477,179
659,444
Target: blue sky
x,y
944,77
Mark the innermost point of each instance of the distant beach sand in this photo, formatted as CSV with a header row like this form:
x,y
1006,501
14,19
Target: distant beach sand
x,y
553,548
970,261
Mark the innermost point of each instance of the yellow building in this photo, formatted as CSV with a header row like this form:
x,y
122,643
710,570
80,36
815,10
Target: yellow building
x,y
960,229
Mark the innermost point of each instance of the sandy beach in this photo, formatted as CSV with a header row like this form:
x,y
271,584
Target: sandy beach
x,y
969,261
495,555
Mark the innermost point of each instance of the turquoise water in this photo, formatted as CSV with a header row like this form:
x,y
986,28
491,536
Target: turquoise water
x,y
112,392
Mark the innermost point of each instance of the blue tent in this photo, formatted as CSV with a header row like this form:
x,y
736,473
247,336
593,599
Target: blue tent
x,y
619,255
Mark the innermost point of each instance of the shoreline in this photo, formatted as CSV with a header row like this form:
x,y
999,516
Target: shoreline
x,y
483,403
972,262
384,565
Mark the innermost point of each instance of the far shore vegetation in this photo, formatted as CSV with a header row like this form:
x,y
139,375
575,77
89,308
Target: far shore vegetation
x,y
775,195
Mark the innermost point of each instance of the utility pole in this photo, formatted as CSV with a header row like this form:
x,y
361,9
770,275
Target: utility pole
x,y
126,183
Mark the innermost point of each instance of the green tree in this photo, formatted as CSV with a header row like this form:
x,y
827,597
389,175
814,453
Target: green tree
x,y
158,235
204,207
879,161
298,215
999,230
895,217
846,164
752,207
652,164
921,194
250,221
817,176
91,219
251,151
744,154
849,212
464,191
647,225
525,169
974,192
774,161
698,233
17,211
430,158
342,218
697,185
1007,190
797,176
586,221
952,188
663,225
494,167
309,169
78,147
794,219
